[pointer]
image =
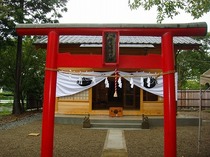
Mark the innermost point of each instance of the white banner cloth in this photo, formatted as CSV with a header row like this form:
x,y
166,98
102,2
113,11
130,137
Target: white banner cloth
x,y
137,80
67,83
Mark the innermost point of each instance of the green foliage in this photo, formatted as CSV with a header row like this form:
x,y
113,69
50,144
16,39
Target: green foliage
x,y
12,13
191,64
32,79
7,66
171,8
32,69
191,84
28,11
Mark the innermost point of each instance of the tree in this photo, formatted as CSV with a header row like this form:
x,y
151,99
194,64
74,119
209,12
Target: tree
x,y
32,69
171,8
26,11
7,66
191,64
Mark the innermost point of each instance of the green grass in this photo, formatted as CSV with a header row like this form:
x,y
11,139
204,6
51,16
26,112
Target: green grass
x,y
5,109
5,113
6,104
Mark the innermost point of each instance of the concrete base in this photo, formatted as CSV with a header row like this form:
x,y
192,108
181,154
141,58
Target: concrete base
x,y
158,122
154,121
69,119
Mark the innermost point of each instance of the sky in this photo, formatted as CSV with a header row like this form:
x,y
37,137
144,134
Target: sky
x,y
118,11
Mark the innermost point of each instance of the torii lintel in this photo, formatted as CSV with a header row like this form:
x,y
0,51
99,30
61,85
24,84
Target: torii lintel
x,y
185,29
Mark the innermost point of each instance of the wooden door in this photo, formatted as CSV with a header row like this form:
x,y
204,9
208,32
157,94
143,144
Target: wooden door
x,y
131,96
100,96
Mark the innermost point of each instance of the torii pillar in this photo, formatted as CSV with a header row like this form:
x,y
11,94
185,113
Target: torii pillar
x,y
166,63
168,67
49,95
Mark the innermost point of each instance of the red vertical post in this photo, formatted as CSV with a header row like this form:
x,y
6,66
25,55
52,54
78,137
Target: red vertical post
x,y
49,95
168,65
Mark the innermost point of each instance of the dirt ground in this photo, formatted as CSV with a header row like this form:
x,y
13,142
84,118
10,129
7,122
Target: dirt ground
x,y
73,141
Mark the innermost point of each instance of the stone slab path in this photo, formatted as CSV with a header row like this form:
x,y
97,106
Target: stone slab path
x,y
115,145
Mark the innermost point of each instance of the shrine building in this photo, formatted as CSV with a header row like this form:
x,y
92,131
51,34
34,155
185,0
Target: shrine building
x,y
139,90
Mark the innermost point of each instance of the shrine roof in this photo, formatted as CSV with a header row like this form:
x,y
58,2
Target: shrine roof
x,y
79,39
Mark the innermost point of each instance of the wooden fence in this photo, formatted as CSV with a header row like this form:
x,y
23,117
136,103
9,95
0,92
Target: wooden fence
x,y
191,99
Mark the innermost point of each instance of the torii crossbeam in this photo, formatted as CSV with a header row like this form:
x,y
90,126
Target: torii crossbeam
x,y
165,31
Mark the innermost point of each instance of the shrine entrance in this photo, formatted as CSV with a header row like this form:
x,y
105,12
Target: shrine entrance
x,y
128,98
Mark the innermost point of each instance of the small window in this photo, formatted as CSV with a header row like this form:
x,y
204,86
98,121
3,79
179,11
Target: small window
x,y
81,96
149,96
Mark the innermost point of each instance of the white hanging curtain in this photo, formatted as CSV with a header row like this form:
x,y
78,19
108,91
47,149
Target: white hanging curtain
x,y
137,78
67,83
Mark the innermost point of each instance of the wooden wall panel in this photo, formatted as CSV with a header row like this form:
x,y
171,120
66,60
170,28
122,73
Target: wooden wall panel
x,y
73,107
153,108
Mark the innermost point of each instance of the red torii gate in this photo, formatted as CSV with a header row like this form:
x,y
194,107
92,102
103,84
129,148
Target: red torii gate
x,y
165,61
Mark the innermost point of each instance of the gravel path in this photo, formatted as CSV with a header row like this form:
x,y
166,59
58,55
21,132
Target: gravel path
x,y
150,143
73,141
22,121
69,140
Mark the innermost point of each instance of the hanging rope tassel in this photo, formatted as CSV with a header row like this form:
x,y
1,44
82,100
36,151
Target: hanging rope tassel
x,y
115,84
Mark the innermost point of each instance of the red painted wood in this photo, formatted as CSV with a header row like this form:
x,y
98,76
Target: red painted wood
x,y
89,61
169,95
49,96
151,61
122,31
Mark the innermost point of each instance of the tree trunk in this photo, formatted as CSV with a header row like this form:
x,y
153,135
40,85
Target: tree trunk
x,y
17,109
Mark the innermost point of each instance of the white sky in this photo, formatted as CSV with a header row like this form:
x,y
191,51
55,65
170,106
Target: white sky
x,y
118,11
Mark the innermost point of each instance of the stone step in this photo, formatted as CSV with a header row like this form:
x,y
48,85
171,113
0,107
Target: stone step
x,y
116,124
153,121
135,121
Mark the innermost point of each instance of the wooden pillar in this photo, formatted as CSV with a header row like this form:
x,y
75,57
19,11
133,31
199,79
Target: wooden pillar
x,y
168,65
49,95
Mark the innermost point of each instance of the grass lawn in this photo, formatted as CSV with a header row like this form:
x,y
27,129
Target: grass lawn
x,y
5,109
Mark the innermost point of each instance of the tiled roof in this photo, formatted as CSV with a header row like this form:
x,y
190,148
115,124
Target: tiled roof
x,y
78,39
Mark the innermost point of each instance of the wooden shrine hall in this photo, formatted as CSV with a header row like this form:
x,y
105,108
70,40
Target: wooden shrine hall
x,y
97,98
